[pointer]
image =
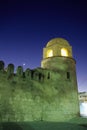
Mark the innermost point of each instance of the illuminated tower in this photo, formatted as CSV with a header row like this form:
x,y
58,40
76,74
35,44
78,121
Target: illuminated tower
x,y
57,57
56,52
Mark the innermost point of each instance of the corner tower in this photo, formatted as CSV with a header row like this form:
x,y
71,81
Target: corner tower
x,y
57,57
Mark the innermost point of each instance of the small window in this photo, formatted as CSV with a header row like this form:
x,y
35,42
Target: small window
x,y
48,76
49,53
68,75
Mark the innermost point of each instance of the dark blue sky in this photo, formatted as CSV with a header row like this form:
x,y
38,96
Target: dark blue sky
x,y
26,27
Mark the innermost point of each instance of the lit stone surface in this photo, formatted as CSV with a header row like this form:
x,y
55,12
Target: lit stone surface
x,y
60,41
48,93
56,45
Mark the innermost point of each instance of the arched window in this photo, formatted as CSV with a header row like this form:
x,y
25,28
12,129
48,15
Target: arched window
x,y
64,52
49,53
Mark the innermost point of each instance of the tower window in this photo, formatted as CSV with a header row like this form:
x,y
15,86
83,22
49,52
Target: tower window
x,y
48,76
68,75
49,53
64,52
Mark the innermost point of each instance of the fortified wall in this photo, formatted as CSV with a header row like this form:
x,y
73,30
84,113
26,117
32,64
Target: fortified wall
x,y
47,93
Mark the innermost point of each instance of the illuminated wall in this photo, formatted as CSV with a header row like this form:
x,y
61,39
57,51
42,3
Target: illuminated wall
x,y
47,93
63,63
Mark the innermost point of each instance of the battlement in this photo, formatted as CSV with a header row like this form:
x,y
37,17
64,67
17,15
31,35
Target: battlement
x,y
38,74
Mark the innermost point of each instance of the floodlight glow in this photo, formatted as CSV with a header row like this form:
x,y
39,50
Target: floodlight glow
x,y
49,53
64,52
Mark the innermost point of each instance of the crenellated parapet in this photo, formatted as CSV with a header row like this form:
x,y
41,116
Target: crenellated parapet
x,y
38,74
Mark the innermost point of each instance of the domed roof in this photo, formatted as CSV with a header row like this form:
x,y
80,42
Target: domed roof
x,y
60,41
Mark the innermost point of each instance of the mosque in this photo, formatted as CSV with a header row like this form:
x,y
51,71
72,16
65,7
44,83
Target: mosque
x,y
47,93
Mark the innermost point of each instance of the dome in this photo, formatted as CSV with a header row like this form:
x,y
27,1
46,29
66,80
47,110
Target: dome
x,y
59,41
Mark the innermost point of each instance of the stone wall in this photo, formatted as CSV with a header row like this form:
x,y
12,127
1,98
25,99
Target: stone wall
x,y
36,95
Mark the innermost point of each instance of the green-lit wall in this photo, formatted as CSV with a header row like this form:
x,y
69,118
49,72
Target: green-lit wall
x,y
49,98
48,93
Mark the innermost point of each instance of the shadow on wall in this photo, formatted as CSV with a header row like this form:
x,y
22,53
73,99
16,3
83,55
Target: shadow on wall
x,y
43,126
12,126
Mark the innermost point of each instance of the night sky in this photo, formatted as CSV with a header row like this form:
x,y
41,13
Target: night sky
x,y
26,27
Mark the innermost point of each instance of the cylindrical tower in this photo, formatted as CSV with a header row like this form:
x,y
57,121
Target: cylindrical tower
x,y
57,56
